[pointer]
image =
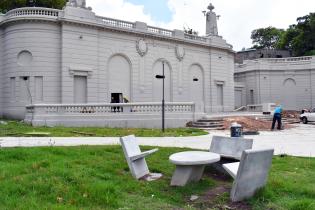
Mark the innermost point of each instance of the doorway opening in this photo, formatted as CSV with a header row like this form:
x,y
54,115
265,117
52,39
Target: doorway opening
x,y
117,98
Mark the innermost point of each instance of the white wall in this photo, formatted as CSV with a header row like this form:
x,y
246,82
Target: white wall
x,y
42,41
268,80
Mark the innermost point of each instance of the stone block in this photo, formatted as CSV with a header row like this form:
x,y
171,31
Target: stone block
x,y
135,158
230,147
250,174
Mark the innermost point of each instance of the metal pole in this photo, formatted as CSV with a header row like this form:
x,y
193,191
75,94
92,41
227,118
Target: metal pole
x,y
163,103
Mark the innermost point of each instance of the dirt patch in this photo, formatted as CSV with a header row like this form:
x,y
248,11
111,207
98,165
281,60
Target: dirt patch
x,y
248,123
251,123
218,197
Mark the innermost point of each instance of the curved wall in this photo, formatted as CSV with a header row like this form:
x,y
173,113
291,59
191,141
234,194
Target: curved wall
x,y
31,66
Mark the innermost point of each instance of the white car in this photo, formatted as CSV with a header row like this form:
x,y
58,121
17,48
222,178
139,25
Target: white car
x,y
307,116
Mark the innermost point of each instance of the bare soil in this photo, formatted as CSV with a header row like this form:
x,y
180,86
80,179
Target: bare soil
x,y
218,197
252,123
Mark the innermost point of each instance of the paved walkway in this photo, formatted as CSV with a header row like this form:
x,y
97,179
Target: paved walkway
x,y
299,141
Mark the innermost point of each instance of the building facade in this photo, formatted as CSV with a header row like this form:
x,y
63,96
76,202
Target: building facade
x,y
72,56
288,81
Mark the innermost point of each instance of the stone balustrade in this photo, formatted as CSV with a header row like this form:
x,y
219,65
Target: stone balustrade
x,y
160,31
115,23
292,63
177,114
33,11
196,38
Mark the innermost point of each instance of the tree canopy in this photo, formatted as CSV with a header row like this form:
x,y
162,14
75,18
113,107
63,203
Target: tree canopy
x,y
298,38
266,38
6,5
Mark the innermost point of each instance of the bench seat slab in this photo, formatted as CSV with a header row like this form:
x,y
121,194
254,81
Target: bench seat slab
x,y
231,168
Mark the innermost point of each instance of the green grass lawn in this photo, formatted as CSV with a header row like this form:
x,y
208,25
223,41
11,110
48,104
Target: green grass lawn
x,y
99,178
15,128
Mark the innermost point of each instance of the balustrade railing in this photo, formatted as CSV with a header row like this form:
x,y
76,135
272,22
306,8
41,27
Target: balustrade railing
x,y
121,108
160,31
287,60
114,22
194,37
33,11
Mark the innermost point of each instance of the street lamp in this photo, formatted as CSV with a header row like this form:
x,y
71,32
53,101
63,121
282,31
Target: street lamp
x,y
163,102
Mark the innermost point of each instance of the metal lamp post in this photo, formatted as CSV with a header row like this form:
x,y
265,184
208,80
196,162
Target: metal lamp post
x,y
163,101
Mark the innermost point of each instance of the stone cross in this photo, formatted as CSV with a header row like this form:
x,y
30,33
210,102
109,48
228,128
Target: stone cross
x,y
211,21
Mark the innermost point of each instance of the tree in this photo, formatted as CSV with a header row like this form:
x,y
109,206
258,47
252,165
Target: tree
x,y
300,38
266,38
6,5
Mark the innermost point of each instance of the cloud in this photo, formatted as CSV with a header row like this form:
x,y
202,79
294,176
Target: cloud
x,y
120,9
238,17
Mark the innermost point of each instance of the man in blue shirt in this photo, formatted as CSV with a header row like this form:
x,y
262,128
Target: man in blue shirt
x,y
277,117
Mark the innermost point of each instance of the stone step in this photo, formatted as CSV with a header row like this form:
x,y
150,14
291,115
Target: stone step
x,y
206,126
208,123
213,129
210,120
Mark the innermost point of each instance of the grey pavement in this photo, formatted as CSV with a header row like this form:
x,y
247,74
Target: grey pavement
x,y
299,141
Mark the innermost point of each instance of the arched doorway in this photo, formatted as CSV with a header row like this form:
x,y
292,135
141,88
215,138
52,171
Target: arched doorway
x,y
289,94
197,87
119,78
158,83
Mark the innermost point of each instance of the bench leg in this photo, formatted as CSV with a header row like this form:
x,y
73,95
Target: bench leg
x,y
186,174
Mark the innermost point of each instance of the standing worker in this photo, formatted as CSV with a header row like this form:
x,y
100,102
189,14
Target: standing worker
x,y
277,117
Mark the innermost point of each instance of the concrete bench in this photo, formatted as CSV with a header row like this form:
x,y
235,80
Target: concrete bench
x,y
135,158
190,166
230,147
250,174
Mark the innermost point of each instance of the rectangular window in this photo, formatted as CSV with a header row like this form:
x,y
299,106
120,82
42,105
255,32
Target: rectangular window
x,y
25,94
38,89
252,99
12,88
219,95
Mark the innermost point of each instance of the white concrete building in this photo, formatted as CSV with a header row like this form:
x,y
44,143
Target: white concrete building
x,y
288,81
71,64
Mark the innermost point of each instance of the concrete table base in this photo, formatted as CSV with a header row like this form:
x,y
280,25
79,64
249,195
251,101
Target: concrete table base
x,y
190,166
186,174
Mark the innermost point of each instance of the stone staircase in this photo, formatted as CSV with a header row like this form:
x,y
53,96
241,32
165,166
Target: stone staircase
x,y
208,124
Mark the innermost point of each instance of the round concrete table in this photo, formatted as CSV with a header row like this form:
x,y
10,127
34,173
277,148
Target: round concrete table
x,y
190,166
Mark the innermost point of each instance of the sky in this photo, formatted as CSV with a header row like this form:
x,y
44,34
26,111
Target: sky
x,y
237,17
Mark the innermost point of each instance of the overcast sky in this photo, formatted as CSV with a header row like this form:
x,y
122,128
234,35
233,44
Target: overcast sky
x,y
237,17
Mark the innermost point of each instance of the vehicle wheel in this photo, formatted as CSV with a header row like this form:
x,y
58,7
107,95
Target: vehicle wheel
x,y
304,120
